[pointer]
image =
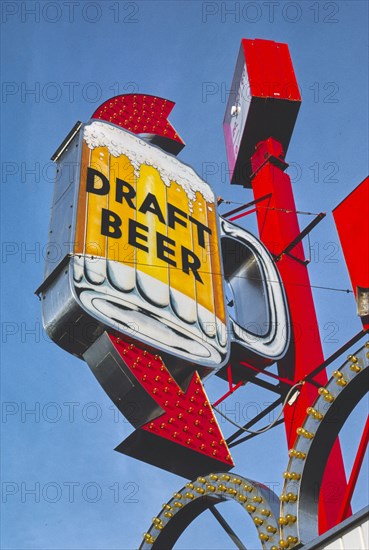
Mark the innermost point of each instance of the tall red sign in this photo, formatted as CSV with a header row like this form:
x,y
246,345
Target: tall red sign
x,y
266,88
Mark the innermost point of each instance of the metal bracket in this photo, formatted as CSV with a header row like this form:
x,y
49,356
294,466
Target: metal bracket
x,y
303,262
244,206
303,234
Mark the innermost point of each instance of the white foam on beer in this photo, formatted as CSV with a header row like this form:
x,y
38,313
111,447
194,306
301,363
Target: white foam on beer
x,y
120,142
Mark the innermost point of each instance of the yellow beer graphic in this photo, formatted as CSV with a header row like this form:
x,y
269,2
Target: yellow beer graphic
x,y
147,246
182,287
152,271
121,262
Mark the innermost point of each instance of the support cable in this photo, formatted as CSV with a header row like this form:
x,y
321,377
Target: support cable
x,y
288,397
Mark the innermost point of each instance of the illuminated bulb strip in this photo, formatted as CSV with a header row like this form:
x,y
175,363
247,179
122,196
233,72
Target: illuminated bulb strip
x,y
299,455
314,413
149,538
337,374
327,396
291,475
289,542
305,433
237,481
156,521
228,487
289,497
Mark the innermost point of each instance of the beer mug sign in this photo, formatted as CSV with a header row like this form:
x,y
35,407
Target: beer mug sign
x,y
140,293
144,258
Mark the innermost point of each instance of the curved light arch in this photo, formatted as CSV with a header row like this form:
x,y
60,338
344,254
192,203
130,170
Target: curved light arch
x,y
195,497
303,477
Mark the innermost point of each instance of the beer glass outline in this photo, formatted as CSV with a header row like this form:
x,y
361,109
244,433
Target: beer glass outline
x,y
271,339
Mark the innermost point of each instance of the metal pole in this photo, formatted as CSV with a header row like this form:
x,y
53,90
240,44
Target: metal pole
x,y
277,229
228,529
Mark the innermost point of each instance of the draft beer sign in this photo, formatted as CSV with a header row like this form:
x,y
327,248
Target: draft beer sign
x,y
146,276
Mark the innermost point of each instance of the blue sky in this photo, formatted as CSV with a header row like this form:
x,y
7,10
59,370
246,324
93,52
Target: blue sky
x,y
59,63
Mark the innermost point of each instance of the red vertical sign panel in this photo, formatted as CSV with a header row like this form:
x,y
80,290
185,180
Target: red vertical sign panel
x,y
352,222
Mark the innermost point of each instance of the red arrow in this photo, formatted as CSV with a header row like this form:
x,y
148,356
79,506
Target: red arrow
x,y
143,114
185,439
